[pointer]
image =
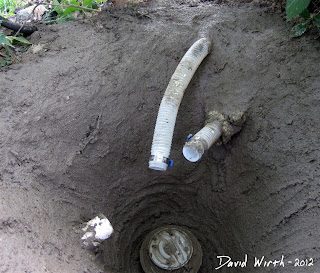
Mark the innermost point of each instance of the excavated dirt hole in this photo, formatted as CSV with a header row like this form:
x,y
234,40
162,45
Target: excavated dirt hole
x,y
143,204
77,127
162,204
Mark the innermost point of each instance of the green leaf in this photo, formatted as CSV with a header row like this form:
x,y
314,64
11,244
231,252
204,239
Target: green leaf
x,y
295,7
59,10
87,3
92,4
8,59
71,9
95,5
305,14
4,40
18,40
10,14
298,30
74,2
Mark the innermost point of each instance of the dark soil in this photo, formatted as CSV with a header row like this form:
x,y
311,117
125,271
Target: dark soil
x,y
76,126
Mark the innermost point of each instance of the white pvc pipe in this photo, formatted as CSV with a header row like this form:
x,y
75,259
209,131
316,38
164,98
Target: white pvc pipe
x,y
163,132
202,141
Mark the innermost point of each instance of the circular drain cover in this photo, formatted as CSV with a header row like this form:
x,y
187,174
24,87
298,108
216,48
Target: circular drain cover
x,y
170,248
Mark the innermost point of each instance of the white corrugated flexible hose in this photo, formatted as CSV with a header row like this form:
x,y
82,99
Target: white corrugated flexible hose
x,y
163,133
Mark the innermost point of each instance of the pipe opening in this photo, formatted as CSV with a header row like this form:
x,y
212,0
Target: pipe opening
x,y
191,154
158,166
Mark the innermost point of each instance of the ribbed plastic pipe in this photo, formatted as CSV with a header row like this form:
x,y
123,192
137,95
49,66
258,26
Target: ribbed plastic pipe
x,y
163,132
202,141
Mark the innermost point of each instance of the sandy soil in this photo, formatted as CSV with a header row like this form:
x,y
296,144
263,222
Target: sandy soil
x,y
77,120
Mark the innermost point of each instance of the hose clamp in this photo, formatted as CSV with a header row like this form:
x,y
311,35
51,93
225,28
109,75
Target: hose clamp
x,y
189,137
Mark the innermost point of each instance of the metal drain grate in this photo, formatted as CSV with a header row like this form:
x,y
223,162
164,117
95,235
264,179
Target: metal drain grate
x,y
170,248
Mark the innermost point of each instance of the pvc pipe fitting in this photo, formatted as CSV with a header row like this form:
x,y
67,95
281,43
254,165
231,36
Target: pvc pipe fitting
x,y
202,141
163,133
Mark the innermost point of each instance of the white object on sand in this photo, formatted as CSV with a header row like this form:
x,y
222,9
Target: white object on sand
x,y
96,230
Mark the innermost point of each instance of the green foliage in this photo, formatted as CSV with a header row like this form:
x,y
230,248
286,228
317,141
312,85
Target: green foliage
x,y
66,12
57,9
18,40
305,14
300,8
299,29
70,10
4,41
11,40
7,42
295,7
7,58
7,7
